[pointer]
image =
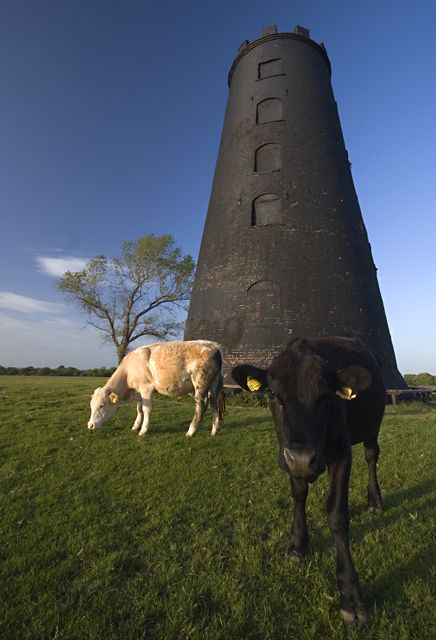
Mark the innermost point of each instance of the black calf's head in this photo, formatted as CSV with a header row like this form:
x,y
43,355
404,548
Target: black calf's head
x,y
305,399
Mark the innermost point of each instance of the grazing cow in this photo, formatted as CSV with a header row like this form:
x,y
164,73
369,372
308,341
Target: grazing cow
x,y
172,369
324,395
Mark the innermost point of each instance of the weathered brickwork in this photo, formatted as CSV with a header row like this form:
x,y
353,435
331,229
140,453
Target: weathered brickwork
x,y
285,249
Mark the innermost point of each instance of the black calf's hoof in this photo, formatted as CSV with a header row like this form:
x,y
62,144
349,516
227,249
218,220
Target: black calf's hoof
x,y
356,618
293,555
377,509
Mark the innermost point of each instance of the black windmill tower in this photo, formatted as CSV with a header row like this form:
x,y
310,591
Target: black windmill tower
x,y
284,249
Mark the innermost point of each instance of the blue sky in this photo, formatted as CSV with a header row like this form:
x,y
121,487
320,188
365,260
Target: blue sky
x,y
110,121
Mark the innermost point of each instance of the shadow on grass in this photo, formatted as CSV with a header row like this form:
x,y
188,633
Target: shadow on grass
x,y
251,422
391,500
182,426
388,588
419,497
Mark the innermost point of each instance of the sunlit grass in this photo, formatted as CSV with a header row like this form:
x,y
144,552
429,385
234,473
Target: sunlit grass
x,y
107,535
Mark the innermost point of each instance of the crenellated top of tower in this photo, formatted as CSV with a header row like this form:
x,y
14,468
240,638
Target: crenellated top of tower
x,y
299,33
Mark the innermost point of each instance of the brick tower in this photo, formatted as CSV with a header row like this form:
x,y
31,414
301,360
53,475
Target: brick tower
x,y
285,249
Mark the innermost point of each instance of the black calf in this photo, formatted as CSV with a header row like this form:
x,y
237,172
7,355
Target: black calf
x,y
324,395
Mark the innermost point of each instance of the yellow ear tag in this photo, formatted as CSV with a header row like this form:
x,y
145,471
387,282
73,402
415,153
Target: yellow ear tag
x,y
253,384
113,398
346,393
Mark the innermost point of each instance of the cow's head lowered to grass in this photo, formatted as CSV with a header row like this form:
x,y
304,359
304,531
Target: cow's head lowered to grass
x,y
304,391
104,403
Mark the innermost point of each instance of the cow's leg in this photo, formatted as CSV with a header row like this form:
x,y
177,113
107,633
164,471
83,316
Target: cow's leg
x,y
299,537
216,404
352,605
139,416
200,407
372,451
146,398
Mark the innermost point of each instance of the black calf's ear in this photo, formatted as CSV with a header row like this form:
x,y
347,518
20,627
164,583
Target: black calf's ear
x,y
351,380
250,378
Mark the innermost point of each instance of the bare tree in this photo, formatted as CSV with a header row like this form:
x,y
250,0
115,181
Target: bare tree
x,y
135,295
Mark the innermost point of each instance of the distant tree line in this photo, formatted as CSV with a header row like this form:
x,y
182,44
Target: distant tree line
x,y
412,379
420,379
59,371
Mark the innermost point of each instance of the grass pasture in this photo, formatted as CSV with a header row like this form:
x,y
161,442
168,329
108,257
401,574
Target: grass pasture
x,y
106,535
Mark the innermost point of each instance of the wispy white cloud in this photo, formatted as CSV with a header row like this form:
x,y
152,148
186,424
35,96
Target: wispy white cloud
x,y
57,266
24,304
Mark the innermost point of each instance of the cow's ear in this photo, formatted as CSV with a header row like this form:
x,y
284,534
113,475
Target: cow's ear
x,y
250,378
113,398
351,380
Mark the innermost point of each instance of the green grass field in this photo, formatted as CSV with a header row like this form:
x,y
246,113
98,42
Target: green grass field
x,y
106,535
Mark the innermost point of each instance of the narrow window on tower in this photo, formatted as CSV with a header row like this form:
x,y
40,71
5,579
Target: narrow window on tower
x,y
270,68
269,110
266,209
268,158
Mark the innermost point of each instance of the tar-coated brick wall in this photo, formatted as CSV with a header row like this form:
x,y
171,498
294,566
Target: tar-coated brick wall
x,y
284,249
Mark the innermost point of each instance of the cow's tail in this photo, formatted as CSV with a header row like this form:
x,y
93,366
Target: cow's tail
x,y
220,397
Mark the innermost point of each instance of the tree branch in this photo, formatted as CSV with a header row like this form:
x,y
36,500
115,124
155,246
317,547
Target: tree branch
x,y
123,294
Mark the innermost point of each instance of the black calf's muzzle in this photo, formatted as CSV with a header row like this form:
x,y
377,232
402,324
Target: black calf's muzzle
x,y
303,461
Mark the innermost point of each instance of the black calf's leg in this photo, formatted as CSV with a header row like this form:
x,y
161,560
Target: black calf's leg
x,y
352,605
372,451
299,537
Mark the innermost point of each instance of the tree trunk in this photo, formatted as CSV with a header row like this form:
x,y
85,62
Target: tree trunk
x,y
121,351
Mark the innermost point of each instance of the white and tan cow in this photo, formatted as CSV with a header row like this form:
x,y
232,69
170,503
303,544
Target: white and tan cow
x,y
172,369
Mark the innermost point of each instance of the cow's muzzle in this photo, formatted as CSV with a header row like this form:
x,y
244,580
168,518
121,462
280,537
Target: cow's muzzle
x,y
303,461
91,426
